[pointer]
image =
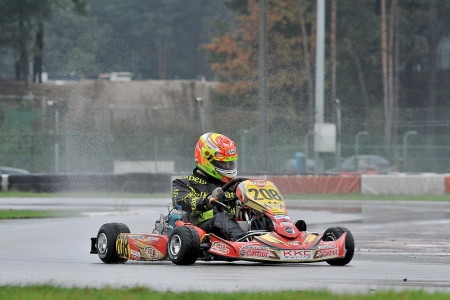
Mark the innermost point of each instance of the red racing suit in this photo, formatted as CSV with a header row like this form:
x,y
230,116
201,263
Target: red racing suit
x,y
191,193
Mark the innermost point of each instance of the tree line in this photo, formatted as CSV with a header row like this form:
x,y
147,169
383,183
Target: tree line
x,y
381,54
158,39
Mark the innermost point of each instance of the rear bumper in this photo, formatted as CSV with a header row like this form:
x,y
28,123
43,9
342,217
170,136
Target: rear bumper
x,y
93,246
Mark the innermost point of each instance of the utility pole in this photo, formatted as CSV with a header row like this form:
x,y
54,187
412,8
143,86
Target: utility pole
x,y
333,57
320,61
320,74
262,84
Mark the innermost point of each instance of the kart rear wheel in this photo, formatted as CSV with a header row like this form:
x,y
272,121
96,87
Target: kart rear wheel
x,y
106,242
184,245
334,233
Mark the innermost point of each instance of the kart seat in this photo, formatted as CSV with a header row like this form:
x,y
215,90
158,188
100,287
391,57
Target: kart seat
x,y
243,225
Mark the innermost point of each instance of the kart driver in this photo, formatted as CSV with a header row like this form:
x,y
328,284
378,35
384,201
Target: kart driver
x,y
216,159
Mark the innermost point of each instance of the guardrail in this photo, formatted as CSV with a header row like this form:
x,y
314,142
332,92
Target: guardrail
x,y
129,182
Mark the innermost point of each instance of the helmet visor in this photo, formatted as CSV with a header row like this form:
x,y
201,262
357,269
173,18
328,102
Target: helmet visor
x,y
225,165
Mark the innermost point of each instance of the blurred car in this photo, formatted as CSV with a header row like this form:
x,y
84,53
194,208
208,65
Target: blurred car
x,y
365,164
12,171
291,168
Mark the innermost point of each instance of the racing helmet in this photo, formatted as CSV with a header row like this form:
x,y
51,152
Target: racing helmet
x,y
216,155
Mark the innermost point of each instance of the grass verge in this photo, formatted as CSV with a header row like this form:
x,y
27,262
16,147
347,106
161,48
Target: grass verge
x,y
30,214
22,194
51,292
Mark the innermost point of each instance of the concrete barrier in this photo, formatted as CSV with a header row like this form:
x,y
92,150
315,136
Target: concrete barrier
x,y
4,182
403,184
129,182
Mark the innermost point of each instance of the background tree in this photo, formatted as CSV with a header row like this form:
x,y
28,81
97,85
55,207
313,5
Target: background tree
x,y
159,39
308,65
234,56
24,20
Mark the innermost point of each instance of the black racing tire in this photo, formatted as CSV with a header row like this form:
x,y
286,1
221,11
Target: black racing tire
x,y
106,242
301,225
334,233
184,245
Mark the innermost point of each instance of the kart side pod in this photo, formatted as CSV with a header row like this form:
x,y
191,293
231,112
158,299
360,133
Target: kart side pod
x,y
132,246
141,246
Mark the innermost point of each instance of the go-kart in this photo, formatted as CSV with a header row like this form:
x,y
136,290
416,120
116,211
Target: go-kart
x,y
259,209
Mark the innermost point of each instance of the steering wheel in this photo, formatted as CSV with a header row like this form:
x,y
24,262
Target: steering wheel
x,y
224,188
232,182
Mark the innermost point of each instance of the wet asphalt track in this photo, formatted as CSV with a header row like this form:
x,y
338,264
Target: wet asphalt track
x,y
399,245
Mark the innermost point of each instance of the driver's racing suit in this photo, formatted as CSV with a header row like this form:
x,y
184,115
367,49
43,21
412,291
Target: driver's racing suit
x,y
192,193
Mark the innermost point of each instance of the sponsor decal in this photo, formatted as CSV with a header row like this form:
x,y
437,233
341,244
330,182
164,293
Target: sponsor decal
x,y
289,230
151,253
137,237
296,254
230,195
220,247
135,253
286,224
278,217
327,252
327,246
194,179
255,247
257,253
278,213
232,151
259,183
294,243
152,239
122,247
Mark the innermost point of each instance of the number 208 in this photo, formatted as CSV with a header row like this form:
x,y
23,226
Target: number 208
x,y
265,194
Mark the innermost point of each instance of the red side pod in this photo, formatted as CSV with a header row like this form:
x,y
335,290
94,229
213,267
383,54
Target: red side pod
x,y
222,247
179,223
142,246
200,231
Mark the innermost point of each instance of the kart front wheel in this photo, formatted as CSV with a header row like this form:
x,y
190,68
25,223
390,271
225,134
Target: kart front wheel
x,y
106,242
184,245
334,233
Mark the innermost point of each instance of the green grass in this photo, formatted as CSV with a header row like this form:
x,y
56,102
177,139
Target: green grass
x,y
49,292
83,195
30,214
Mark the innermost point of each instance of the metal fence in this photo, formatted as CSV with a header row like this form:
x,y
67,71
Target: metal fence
x,y
40,141
95,152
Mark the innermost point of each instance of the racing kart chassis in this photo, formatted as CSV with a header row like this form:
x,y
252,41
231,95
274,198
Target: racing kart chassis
x,y
282,240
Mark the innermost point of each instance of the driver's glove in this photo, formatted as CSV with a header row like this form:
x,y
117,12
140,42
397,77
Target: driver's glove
x,y
218,194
